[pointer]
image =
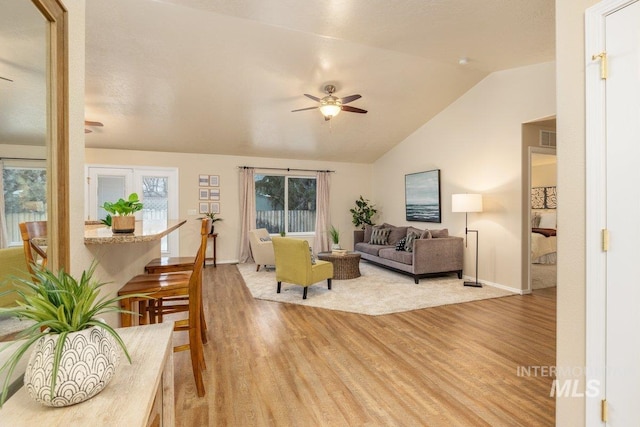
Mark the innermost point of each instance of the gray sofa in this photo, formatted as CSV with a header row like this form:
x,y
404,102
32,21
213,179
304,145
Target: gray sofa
x,y
433,252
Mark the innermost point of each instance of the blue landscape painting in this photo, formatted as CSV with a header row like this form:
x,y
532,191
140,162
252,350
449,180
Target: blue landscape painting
x,y
422,196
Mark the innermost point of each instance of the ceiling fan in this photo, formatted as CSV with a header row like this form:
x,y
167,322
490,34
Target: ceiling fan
x,y
90,123
330,106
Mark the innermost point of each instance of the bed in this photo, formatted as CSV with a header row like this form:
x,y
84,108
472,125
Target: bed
x,y
543,238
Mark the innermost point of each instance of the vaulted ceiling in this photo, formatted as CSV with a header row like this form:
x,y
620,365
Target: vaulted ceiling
x,y
219,76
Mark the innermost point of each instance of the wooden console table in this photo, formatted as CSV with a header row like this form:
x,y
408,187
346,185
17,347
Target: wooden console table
x,y
139,394
212,236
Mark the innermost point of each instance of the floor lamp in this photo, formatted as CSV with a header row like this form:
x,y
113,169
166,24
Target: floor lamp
x,y
468,203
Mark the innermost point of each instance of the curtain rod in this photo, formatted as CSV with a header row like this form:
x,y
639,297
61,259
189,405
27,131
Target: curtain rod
x,y
20,158
286,169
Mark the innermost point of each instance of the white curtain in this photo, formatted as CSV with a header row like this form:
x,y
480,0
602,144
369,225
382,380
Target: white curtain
x,y
3,220
321,241
247,211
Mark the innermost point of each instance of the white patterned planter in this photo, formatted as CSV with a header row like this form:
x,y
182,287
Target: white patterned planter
x,y
88,362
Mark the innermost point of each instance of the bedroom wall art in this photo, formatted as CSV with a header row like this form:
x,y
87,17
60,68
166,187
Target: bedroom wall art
x,y
544,198
422,196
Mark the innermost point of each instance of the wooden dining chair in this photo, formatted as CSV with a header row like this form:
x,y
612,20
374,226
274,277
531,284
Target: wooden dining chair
x,y
161,286
34,254
162,306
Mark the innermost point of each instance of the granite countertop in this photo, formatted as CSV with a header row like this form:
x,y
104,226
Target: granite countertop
x,y
146,231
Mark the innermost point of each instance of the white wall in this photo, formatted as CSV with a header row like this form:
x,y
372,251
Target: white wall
x,y
347,183
570,53
476,143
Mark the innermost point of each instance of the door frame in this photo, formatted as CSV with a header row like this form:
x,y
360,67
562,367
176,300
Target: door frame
x,y
596,205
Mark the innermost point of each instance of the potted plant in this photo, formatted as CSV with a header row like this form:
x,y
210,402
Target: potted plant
x,y
74,352
123,221
363,213
334,235
214,218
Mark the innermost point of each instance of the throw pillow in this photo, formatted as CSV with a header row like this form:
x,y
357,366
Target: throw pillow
x,y
313,257
400,244
408,245
265,239
437,234
379,236
426,234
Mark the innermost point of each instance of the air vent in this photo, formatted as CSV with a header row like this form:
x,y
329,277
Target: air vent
x,y
547,139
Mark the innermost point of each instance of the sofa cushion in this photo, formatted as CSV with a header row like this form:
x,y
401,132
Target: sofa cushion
x,y
400,244
426,234
415,231
380,236
408,245
398,256
396,234
437,234
370,249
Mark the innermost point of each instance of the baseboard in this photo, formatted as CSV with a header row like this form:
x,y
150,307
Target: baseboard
x,y
496,285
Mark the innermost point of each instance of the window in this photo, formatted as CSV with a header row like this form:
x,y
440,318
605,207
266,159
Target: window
x,y
25,195
285,203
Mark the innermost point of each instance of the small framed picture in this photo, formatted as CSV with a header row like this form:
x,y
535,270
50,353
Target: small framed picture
x,y
204,207
214,207
214,180
204,194
203,180
214,194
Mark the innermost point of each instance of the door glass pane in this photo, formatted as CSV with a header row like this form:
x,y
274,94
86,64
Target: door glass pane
x,y
25,199
110,189
270,203
302,205
155,196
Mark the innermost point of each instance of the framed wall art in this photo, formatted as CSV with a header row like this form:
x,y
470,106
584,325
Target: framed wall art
x,y
214,207
214,194
203,180
203,207
422,196
203,194
214,180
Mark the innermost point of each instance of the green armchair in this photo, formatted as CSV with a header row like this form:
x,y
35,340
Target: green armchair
x,y
293,264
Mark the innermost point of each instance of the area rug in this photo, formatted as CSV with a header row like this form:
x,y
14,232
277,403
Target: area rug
x,y
377,291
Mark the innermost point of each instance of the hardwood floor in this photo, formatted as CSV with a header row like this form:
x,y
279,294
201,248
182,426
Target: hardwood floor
x,y
272,364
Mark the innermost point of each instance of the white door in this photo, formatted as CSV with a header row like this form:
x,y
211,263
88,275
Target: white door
x,y
623,216
613,204
157,188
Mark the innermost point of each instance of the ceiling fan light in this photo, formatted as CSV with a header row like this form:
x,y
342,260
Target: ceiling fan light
x,y
330,110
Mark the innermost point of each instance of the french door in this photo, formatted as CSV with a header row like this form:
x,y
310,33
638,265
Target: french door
x,y
157,188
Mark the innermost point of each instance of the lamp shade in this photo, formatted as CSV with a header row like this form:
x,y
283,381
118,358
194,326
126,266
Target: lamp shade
x,y
330,109
466,203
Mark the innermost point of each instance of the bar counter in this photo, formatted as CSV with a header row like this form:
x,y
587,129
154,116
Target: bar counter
x,y
146,231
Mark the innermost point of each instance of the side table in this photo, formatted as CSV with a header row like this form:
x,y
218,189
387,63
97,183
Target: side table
x,y
345,266
211,236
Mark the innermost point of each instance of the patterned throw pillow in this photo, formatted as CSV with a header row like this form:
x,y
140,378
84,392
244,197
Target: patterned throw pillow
x,y
379,236
408,245
265,239
313,257
400,244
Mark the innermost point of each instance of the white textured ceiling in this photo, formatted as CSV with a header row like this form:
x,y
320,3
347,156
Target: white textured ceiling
x,y
214,76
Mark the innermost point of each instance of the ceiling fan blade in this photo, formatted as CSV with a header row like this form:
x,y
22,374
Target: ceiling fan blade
x,y
88,131
348,99
353,109
4,78
315,98
303,109
90,123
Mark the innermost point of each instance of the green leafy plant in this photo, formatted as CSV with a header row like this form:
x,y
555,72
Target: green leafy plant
x,y
363,212
58,304
334,235
213,216
124,207
107,220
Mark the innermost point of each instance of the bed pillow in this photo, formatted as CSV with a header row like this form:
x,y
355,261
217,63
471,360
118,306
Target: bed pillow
x,y
535,220
547,220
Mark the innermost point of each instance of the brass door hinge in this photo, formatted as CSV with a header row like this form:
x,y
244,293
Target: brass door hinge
x,y
605,239
603,64
603,410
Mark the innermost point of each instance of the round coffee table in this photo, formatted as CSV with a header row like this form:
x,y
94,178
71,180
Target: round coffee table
x,y
345,266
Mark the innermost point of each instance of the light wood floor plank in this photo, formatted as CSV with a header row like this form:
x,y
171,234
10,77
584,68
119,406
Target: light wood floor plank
x,y
272,364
